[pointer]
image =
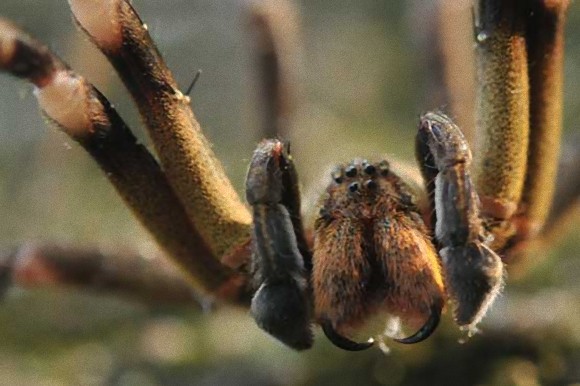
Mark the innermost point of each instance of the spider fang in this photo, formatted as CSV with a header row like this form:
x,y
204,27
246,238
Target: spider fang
x,y
341,341
428,328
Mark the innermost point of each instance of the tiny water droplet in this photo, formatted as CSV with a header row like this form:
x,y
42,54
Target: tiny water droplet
x,y
482,36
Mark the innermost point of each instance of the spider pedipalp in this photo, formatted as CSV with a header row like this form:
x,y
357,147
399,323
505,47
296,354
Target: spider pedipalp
x,y
281,304
473,271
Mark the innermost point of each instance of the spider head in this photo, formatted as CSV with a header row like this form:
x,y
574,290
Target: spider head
x,y
373,256
364,191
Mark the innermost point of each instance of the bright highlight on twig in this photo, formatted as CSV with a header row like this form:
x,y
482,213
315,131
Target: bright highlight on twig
x,y
65,100
100,18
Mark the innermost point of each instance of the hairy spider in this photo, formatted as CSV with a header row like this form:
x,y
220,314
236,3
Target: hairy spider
x,y
381,246
373,253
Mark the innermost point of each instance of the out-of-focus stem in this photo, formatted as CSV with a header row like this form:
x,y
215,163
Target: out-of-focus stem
x,y
275,27
150,280
545,43
455,43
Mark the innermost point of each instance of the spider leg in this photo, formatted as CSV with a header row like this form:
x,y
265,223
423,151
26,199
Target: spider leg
x,y
564,211
502,113
567,187
281,305
474,272
82,112
193,171
520,65
545,44
152,280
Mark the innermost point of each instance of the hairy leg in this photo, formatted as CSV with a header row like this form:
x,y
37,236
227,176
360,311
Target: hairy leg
x,y
520,46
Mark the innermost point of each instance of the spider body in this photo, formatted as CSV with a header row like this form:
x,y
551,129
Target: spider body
x,y
372,252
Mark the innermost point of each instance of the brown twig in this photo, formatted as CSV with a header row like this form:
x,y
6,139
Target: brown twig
x,y
275,27
150,280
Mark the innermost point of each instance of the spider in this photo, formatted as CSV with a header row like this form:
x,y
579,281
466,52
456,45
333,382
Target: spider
x,y
380,245
372,252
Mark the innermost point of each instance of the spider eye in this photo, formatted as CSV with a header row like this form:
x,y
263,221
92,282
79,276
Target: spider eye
x,y
337,175
353,187
370,169
384,167
350,171
371,185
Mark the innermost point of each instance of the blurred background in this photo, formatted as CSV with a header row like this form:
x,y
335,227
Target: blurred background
x,y
366,73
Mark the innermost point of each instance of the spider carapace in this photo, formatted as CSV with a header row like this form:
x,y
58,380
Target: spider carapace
x,y
380,247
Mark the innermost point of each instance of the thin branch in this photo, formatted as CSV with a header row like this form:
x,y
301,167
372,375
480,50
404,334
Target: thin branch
x,y
455,42
83,113
192,169
564,213
568,181
545,42
150,280
276,36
